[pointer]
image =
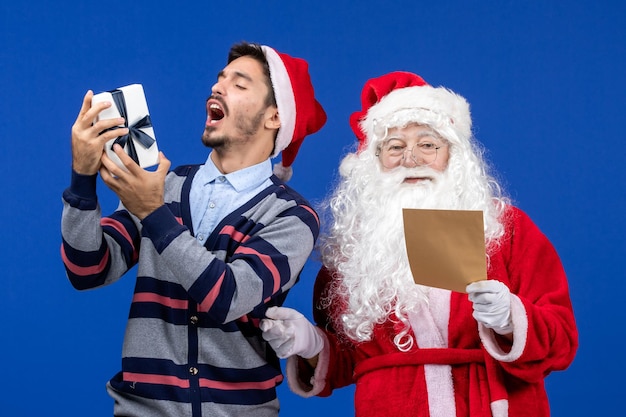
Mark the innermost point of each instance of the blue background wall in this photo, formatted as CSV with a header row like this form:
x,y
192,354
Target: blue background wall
x,y
545,81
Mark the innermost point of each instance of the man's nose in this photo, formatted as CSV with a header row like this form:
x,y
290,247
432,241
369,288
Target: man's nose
x,y
218,88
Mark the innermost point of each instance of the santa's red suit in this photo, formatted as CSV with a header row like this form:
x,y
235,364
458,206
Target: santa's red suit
x,y
458,367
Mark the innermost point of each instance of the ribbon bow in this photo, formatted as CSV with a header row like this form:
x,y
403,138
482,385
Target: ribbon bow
x,y
134,132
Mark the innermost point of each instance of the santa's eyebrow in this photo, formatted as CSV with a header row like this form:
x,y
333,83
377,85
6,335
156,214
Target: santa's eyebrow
x,y
403,137
428,133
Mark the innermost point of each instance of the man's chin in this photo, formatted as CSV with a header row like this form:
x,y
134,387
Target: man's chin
x,y
212,141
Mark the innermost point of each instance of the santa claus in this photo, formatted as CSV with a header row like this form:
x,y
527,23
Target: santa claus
x,y
414,350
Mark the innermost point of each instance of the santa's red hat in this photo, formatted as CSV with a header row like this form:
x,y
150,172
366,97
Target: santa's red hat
x,y
300,113
399,98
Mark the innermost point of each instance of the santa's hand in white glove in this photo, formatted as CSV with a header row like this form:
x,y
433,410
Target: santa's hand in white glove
x,y
492,305
290,333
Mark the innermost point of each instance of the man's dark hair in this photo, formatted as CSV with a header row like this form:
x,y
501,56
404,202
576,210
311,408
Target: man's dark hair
x,y
253,50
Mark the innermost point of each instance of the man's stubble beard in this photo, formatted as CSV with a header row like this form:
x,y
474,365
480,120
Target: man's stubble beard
x,y
247,128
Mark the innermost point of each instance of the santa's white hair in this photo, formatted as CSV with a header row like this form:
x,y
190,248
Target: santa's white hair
x,y
365,246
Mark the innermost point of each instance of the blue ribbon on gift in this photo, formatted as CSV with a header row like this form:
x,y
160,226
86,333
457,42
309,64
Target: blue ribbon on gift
x,y
135,134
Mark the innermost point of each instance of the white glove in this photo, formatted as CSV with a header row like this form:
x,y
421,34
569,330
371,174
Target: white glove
x,y
290,333
492,305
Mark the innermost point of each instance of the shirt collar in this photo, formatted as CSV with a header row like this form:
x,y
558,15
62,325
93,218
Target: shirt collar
x,y
240,180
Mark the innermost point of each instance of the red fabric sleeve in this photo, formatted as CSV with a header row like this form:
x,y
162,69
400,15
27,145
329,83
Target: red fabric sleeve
x,y
536,276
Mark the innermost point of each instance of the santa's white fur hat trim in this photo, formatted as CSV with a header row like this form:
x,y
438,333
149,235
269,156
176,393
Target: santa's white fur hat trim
x,y
437,107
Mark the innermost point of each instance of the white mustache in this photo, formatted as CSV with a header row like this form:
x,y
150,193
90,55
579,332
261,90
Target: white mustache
x,y
399,174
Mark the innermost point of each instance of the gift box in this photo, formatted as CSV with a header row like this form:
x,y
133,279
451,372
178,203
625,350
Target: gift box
x,y
130,103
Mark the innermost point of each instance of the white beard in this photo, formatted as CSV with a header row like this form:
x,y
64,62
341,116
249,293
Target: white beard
x,y
366,244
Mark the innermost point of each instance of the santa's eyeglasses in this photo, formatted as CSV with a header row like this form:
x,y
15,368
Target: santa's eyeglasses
x,y
393,150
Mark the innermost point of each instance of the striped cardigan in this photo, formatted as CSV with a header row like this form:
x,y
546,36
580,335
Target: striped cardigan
x,y
192,345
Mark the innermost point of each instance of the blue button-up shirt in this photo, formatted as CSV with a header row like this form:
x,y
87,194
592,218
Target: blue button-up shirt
x,y
214,195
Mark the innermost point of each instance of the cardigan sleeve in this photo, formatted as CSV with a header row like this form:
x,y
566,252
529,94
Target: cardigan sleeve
x,y
95,250
255,260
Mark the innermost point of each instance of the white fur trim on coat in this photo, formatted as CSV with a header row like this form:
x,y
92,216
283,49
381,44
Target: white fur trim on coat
x,y
318,381
520,334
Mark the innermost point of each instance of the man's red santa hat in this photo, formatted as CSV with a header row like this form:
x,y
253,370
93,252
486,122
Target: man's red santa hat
x,y
399,98
300,113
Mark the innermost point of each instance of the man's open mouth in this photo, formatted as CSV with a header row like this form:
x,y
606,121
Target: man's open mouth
x,y
215,111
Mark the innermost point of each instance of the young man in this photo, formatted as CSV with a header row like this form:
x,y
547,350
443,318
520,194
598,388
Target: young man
x,y
216,244
414,350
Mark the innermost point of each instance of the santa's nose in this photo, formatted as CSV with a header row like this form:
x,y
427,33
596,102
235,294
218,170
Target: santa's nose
x,y
409,159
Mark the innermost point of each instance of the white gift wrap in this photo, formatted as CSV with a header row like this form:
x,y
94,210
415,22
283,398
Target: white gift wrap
x,y
136,109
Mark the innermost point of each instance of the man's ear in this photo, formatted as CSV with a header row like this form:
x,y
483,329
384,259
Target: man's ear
x,y
272,119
